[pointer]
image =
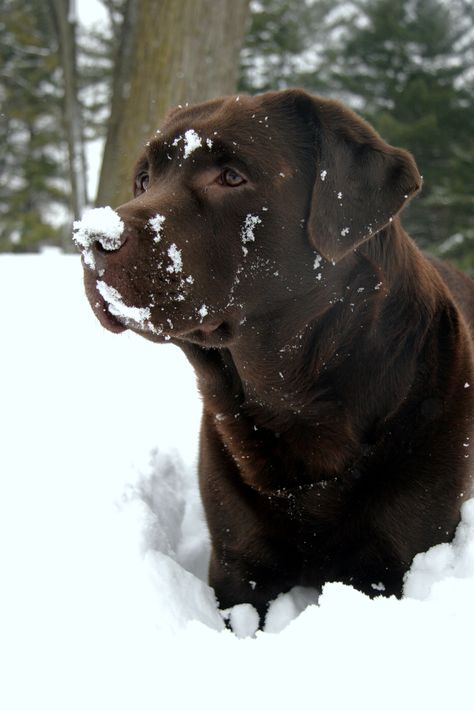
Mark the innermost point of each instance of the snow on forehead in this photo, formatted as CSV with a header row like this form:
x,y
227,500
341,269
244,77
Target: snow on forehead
x,y
192,140
101,224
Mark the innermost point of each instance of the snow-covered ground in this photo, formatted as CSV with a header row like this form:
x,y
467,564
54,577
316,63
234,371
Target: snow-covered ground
x,y
104,549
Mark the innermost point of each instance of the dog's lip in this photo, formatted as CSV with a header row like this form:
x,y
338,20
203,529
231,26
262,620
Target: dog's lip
x,y
106,319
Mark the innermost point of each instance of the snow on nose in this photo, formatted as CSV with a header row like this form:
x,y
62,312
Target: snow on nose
x,y
102,226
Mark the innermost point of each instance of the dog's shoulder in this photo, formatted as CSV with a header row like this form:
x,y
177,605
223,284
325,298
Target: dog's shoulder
x,y
459,285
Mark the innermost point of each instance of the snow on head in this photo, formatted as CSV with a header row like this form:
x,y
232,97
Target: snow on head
x,y
176,260
248,230
156,224
101,224
118,308
191,141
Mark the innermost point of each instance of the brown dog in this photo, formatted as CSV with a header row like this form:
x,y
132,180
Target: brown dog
x,y
334,359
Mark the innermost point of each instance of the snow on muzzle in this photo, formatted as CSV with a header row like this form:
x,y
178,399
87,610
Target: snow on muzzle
x,y
100,225
130,316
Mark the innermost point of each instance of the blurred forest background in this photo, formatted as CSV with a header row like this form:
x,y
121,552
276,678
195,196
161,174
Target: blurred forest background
x,y
72,92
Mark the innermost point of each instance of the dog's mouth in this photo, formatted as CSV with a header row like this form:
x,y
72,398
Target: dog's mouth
x,y
106,318
116,316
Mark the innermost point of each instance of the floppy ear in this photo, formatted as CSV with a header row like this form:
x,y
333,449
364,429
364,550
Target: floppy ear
x,y
361,182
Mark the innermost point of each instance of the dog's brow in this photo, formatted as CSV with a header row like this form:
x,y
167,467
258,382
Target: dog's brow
x,y
161,150
223,150
158,152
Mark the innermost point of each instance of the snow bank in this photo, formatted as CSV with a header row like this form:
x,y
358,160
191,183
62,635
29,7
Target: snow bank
x,y
445,561
104,548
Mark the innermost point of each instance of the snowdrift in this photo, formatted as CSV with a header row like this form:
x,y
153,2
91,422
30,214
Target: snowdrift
x,y
105,603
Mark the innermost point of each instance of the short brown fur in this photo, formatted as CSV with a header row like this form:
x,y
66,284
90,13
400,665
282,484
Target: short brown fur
x,y
333,358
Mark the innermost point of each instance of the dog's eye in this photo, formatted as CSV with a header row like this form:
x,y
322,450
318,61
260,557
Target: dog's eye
x,y
141,182
231,178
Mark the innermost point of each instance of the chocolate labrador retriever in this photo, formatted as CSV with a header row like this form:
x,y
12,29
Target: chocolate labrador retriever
x,y
334,359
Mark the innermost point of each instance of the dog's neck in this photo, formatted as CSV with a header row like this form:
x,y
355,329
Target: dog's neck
x,y
279,359
318,354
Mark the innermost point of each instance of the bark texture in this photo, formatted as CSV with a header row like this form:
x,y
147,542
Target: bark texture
x,y
172,52
63,16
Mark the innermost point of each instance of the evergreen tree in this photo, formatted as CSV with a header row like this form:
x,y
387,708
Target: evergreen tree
x,y
407,65
284,45
37,195
33,190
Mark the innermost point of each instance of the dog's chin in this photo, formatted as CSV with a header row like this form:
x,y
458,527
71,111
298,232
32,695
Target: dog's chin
x,y
213,334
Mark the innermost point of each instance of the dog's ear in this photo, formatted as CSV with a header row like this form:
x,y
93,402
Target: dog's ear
x,y
361,182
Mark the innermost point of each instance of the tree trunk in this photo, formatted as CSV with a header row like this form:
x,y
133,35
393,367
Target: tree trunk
x,y
63,12
172,52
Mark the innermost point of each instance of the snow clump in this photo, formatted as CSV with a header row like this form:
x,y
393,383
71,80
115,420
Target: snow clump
x,y
118,308
192,141
248,230
100,224
156,224
444,561
177,260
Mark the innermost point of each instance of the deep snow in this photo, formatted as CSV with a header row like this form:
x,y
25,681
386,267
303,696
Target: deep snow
x,y
104,547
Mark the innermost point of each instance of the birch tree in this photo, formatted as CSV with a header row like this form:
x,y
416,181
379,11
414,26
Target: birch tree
x,y
172,52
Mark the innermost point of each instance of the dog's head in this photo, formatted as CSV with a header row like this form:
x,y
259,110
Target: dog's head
x,y
240,205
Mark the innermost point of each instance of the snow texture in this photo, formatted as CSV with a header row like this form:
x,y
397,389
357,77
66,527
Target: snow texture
x,y
100,224
104,547
192,141
176,260
247,232
156,224
203,311
118,308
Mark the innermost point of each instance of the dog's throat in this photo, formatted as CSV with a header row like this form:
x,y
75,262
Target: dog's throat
x,y
211,334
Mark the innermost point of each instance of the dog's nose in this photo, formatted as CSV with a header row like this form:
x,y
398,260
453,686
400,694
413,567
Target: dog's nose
x,y
105,242
101,230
